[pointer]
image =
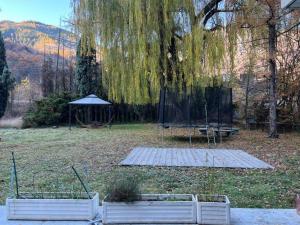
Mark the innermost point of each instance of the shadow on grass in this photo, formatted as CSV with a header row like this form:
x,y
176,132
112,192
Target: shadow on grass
x,y
194,139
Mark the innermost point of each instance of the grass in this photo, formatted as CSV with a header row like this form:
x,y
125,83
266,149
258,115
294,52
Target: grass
x,y
97,152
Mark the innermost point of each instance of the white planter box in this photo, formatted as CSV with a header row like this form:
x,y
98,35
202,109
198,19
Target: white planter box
x,y
209,212
52,209
152,208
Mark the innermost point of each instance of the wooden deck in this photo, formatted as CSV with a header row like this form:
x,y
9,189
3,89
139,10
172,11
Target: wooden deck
x,y
188,157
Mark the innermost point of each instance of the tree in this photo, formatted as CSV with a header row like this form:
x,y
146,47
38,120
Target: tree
x,y
70,76
272,39
87,72
264,18
47,77
6,80
3,62
288,76
148,45
6,84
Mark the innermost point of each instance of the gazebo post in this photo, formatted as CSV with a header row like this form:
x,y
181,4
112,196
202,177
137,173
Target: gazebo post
x,y
109,115
89,114
70,112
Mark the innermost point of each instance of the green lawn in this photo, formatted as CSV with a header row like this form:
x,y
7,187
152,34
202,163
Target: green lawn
x,y
98,151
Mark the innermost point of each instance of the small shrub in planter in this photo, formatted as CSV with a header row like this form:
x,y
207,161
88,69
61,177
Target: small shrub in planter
x,y
123,188
213,209
125,205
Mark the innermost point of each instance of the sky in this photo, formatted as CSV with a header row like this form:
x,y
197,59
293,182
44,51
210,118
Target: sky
x,y
44,11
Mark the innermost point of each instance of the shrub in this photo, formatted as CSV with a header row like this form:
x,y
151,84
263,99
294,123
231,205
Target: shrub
x,y
49,111
123,188
261,111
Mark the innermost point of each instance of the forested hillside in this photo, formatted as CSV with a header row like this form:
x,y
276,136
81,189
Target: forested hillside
x,y
28,42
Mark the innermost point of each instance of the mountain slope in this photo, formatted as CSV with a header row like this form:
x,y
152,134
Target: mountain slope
x,y
27,42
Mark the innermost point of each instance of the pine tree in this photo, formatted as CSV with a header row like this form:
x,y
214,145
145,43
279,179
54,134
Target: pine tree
x,y
47,77
6,84
6,80
2,54
87,72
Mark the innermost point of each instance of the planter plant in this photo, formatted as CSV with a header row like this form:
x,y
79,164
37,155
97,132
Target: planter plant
x,y
53,206
213,209
125,205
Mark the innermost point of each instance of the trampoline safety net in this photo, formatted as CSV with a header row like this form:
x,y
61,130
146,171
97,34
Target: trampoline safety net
x,y
212,105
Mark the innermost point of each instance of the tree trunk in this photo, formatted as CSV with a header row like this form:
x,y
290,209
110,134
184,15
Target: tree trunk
x,y
161,45
272,86
11,104
247,100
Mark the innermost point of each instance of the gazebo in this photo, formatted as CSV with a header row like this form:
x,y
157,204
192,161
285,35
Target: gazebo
x,y
90,100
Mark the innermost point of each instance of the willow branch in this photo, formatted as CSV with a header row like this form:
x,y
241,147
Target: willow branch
x,y
286,31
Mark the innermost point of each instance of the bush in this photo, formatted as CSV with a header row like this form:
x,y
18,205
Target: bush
x,y
123,188
49,111
261,111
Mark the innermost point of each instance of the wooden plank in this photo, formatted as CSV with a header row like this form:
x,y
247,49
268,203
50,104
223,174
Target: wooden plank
x,y
157,157
255,161
153,159
141,155
196,161
175,157
227,160
243,162
146,158
184,158
191,160
169,157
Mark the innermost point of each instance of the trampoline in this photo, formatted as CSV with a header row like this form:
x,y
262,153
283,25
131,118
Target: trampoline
x,y
201,109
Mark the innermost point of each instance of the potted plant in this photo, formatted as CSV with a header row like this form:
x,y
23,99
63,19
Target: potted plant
x,y
125,205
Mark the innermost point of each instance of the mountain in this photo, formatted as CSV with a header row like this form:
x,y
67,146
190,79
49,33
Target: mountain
x,y
29,42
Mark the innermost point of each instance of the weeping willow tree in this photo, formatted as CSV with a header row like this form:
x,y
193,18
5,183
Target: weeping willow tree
x,y
150,44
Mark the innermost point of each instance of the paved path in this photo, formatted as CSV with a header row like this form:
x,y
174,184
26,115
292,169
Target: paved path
x,y
264,217
238,217
144,156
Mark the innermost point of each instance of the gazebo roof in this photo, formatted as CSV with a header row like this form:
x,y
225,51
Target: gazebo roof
x,y
290,4
90,100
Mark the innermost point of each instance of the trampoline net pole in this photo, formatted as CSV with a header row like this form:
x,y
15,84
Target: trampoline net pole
x,y
70,112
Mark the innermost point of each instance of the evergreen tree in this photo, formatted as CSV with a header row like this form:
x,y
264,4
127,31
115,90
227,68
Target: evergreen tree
x,y
6,84
87,72
6,81
2,54
47,77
